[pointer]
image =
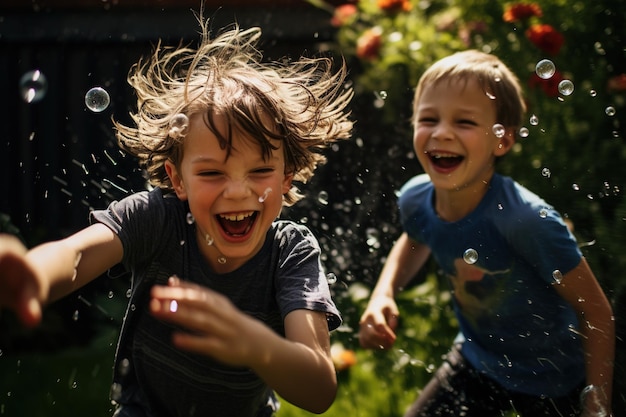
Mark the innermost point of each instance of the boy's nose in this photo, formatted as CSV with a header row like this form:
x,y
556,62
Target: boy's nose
x,y
237,189
442,131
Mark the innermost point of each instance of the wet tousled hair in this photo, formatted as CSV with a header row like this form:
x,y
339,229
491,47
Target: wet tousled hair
x,y
301,103
497,81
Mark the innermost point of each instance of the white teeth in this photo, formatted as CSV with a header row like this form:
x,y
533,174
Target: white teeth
x,y
443,155
236,217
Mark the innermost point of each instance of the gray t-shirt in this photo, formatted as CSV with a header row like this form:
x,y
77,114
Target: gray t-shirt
x,y
152,375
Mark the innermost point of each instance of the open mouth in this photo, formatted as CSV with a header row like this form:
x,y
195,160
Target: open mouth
x,y
445,160
237,224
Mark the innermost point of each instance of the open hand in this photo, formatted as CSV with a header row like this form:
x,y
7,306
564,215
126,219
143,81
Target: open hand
x,y
378,323
20,287
215,326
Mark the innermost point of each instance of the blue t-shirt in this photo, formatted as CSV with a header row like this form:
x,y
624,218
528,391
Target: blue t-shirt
x,y
501,261
152,377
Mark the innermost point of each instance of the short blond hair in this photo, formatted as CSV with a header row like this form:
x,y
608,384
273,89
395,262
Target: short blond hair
x,y
495,78
302,103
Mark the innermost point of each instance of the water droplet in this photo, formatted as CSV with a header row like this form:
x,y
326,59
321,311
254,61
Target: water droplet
x,y
534,120
111,294
221,260
322,197
97,99
524,132
173,306
331,278
593,93
557,276
129,292
470,256
546,172
566,87
209,239
178,125
545,69
498,130
190,219
33,86
543,213
75,316
610,111
266,193
575,187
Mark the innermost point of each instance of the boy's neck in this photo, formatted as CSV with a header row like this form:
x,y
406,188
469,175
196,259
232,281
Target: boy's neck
x,y
454,205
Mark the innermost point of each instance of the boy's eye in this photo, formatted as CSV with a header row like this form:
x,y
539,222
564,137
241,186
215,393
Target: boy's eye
x,y
427,120
467,122
266,170
208,173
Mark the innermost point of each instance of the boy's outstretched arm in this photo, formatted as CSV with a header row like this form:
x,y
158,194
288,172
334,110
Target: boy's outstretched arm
x,y
29,279
379,321
298,366
597,327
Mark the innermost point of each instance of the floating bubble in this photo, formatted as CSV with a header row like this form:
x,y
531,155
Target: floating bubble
x,y
566,87
470,256
534,120
546,172
209,239
575,187
498,130
178,125
221,260
557,276
593,93
266,193
610,111
543,213
545,69
190,219
331,278
322,197
33,86
524,132
97,99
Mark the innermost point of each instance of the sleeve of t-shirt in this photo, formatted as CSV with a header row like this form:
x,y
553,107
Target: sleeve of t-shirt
x,y
135,220
301,282
542,239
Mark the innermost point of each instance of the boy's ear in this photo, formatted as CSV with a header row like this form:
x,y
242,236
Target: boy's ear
x,y
287,182
506,142
176,179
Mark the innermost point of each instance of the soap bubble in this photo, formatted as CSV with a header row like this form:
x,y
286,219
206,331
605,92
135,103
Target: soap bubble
x,y
178,125
498,130
610,111
470,256
33,86
545,69
566,87
524,132
534,120
557,275
97,99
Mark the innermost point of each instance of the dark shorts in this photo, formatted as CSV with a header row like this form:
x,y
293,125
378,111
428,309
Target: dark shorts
x,y
457,389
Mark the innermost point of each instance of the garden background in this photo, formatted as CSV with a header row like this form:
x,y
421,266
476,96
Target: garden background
x,y
60,160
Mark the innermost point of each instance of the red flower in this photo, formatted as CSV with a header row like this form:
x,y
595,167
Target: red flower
x,y
546,38
395,5
521,11
368,45
617,83
343,14
549,86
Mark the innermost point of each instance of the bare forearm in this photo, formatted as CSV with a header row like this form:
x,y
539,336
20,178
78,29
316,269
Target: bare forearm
x,y
599,344
55,263
404,261
299,374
